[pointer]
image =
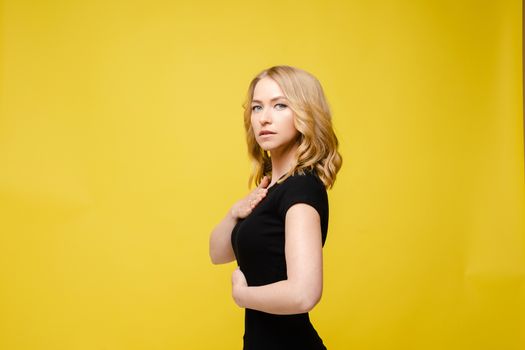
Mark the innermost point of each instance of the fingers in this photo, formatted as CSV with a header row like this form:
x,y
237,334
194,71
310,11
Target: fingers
x,y
258,193
257,196
253,198
265,181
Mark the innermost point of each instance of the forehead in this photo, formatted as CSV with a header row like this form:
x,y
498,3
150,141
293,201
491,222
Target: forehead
x,y
266,88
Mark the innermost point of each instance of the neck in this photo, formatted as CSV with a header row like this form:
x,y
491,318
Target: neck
x,y
282,160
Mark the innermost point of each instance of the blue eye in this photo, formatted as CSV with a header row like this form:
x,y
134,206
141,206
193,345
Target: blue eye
x,y
279,106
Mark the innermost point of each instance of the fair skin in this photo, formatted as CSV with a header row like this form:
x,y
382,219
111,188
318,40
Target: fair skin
x,y
302,289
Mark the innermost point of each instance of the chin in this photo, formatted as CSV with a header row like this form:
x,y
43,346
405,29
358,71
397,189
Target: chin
x,y
265,146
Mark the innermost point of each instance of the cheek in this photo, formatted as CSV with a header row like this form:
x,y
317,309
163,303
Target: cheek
x,y
289,123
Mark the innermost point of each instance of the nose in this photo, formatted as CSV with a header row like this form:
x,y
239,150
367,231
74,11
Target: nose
x,y
265,117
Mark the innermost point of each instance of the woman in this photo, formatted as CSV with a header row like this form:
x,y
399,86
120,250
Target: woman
x,y
276,233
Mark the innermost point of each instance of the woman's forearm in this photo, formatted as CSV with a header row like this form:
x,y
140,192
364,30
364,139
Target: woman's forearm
x,y
281,298
220,249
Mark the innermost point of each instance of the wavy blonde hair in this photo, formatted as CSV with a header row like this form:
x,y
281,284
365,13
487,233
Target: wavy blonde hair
x,y
317,143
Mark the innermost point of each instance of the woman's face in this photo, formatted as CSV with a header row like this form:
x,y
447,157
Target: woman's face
x,y
272,119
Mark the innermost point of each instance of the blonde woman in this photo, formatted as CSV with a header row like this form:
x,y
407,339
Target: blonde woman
x,y
277,232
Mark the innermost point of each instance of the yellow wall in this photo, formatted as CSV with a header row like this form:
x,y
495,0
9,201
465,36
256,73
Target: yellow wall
x,y
121,147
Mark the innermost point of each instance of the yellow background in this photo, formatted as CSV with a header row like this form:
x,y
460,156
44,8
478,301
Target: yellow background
x,y
122,146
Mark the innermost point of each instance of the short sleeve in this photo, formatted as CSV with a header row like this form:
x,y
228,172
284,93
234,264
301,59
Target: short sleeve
x,y
304,189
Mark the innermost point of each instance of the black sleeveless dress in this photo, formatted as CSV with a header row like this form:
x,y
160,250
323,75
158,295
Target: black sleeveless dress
x,y
258,242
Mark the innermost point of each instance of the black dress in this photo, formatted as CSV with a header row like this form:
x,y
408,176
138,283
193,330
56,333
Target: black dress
x,y
258,242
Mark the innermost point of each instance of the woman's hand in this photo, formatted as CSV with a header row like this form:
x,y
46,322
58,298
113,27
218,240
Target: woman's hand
x,y
238,284
244,207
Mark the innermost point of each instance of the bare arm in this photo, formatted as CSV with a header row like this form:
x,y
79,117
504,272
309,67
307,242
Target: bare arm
x,y
304,262
221,250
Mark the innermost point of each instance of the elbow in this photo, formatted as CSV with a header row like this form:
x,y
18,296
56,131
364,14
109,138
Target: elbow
x,y
218,255
308,301
219,259
214,259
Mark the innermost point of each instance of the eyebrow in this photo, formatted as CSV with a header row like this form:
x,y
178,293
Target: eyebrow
x,y
273,99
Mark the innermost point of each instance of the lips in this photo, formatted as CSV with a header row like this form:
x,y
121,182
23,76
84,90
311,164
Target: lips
x,y
266,132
